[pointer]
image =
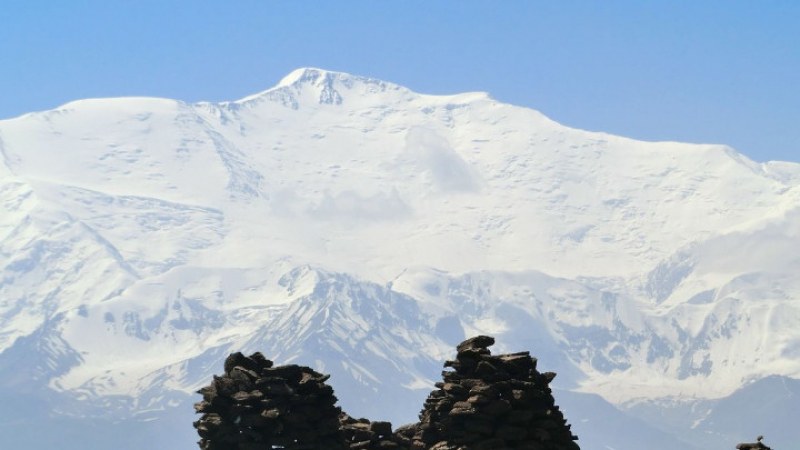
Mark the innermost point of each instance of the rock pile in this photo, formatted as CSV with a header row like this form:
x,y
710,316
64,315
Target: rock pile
x,y
362,434
491,403
485,403
256,406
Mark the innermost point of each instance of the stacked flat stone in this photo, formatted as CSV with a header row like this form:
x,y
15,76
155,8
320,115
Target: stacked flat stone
x,y
491,403
363,434
486,403
255,406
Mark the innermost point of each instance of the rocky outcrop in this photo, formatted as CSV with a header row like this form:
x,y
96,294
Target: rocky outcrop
x,y
484,402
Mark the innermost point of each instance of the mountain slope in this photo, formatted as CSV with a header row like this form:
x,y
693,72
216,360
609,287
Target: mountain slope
x,y
355,225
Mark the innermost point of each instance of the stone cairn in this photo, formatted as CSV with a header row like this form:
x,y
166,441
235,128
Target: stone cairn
x,y
487,403
491,403
255,406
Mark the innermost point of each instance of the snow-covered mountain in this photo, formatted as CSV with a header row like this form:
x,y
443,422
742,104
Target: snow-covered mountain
x,y
356,226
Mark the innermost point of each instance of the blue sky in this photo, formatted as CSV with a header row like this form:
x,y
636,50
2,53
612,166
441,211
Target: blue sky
x,y
711,71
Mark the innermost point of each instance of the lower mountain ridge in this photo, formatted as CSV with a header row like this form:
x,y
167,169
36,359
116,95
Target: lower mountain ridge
x,y
381,346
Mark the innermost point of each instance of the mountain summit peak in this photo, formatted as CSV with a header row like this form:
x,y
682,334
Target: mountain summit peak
x,y
327,85
330,87
308,75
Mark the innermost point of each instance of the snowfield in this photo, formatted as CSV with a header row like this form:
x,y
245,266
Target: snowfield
x,y
356,226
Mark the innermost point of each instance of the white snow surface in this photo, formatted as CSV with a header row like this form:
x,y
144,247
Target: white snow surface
x,y
352,224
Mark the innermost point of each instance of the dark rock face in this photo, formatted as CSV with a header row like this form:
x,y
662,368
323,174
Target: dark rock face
x,y
486,403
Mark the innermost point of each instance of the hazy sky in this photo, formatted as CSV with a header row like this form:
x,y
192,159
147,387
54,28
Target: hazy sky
x,y
699,71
